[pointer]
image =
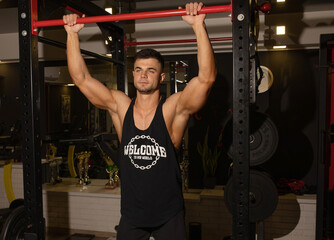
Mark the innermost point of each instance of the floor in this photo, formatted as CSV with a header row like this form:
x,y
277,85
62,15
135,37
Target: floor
x,y
66,234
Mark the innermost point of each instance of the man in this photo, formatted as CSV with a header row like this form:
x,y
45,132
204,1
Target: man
x,y
150,130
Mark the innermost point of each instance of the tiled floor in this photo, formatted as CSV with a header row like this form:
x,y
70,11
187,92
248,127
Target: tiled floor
x,y
65,234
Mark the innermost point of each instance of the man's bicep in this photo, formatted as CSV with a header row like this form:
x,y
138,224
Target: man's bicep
x,y
97,93
194,96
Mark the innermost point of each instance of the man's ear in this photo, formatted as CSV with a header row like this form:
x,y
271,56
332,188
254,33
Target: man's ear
x,y
162,77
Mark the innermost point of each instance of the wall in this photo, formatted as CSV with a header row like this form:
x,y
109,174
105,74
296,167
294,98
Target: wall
x,y
10,106
291,103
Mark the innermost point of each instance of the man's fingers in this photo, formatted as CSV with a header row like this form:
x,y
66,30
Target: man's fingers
x,y
70,19
200,5
193,8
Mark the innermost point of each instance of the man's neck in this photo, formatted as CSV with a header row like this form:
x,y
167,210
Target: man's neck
x,y
146,102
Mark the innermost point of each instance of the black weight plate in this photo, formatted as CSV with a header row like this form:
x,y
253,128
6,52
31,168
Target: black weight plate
x,y
263,196
263,139
15,225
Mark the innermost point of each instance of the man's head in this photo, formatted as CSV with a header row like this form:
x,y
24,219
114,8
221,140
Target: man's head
x,y
150,53
148,71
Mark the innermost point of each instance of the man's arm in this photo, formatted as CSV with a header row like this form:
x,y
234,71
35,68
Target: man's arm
x,y
193,97
95,91
180,105
116,102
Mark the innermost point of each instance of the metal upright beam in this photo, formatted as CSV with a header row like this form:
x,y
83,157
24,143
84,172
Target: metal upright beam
x,y
31,139
172,77
324,190
241,81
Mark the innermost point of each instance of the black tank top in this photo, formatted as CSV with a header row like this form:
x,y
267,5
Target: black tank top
x,y
151,188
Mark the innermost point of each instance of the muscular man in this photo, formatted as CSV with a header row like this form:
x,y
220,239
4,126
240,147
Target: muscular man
x,y
150,129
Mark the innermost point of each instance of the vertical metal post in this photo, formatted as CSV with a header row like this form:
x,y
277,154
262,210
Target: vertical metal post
x,y
122,83
172,77
241,96
31,139
323,165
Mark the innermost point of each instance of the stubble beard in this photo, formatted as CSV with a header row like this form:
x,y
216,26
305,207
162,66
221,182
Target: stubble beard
x,y
144,90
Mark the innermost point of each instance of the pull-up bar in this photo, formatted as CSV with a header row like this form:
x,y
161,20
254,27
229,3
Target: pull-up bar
x,y
175,41
132,16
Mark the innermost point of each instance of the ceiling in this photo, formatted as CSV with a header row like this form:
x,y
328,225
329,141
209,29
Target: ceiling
x,y
8,8
303,8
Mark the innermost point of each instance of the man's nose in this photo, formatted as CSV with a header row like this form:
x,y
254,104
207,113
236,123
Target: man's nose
x,y
144,74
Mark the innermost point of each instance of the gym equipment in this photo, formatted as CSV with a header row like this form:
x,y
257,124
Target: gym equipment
x,y
266,81
15,225
263,139
27,12
12,219
131,16
8,181
174,41
263,196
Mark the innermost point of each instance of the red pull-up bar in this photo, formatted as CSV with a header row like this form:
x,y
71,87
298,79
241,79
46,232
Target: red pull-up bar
x,y
132,16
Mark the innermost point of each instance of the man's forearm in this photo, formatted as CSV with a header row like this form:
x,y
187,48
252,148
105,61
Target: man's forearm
x,y
76,64
205,57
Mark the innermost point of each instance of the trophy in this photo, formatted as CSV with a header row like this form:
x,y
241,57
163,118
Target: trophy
x,y
59,161
80,156
111,183
54,163
86,167
184,174
83,167
184,164
116,177
112,170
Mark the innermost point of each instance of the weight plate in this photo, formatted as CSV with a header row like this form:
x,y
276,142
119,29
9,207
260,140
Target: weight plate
x,y
266,81
263,139
15,225
263,196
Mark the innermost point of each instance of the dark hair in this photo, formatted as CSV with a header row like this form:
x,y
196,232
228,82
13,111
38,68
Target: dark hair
x,y
150,53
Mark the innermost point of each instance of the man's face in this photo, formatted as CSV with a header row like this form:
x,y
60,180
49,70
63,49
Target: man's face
x,y
147,75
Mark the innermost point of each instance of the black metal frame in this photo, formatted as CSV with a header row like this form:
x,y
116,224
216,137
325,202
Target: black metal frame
x,y
31,119
241,98
172,77
323,130
31,124
31,139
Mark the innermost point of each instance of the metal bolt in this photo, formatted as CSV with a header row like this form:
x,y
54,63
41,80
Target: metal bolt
x,y
241,17
23,15
24,33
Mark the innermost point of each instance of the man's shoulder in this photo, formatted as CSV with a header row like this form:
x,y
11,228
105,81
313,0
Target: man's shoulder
x,y
122,100
171,102
172,99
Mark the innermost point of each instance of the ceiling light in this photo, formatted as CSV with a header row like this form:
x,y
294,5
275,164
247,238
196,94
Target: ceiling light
x,y
280,30
109,10
280,1
279,47
70,84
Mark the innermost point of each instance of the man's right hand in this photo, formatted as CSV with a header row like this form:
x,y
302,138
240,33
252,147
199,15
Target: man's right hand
x,y
71,25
